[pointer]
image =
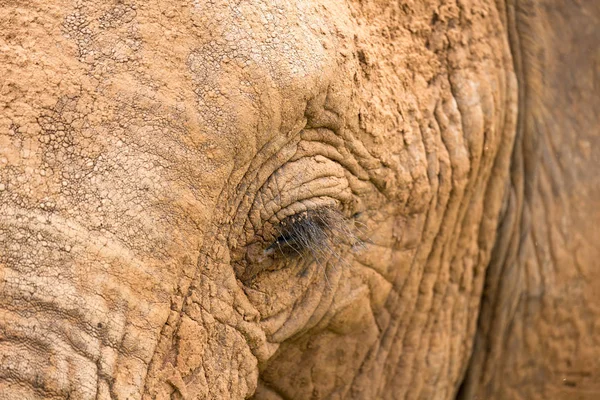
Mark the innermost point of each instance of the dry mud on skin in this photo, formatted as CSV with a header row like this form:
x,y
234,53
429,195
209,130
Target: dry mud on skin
x,y
299,199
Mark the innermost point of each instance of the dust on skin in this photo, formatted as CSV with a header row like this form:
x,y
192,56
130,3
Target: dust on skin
x,y
151,154
148,146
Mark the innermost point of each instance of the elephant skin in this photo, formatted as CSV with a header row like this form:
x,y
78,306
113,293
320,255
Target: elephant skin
x,y
299,199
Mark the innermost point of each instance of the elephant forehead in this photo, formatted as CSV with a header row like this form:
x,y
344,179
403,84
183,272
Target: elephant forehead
x,y
237,75
189,89
257,66
286,42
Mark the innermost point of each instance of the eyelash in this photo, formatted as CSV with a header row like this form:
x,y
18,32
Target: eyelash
x,y
298,234
316,234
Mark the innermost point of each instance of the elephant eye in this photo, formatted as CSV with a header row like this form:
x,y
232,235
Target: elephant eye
x,y
315,234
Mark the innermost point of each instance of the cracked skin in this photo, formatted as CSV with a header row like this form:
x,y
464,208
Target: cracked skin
x,y
299,199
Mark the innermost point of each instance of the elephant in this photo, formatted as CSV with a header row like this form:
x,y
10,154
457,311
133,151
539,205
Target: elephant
x,y
299,199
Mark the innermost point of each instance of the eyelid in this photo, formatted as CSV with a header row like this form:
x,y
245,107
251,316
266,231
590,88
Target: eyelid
x,y
303,184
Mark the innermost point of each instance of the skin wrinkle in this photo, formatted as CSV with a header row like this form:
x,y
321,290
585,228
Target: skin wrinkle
x,y
67,339
260,191
49,340
291,327
532,279
20,378
489,172
375,75
431,315
505,123
336,157
327,189
313,267
257,184
225,322
400,291
103,251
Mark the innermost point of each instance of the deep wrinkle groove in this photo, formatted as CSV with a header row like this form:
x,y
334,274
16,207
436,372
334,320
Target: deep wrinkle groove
x,y
498,267
457,235
254,186
395,327
49,346
327,179
274,175
433,311
520,225
463,205
438,299
429,324
391,331
342,156
395,364
479,289
267,152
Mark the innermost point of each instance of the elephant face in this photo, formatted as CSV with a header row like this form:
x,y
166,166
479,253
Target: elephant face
x,y
292,199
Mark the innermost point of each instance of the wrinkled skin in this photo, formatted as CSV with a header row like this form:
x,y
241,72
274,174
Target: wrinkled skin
x,y
150,151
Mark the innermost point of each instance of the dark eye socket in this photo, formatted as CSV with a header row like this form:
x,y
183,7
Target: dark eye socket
x,y
316,233
285,239
299,233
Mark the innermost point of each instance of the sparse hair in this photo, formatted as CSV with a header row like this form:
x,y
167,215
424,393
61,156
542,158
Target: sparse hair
x,y
315,234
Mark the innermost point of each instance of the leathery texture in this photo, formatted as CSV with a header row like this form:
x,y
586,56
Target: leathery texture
x,y
269,199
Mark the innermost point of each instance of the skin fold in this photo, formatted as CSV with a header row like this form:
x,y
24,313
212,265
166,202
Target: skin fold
x,y
299,199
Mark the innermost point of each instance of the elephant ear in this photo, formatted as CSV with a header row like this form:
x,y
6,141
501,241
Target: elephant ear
x,y
540,313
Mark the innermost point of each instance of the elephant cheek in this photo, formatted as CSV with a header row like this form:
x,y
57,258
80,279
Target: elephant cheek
x,y
213,346
206,357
